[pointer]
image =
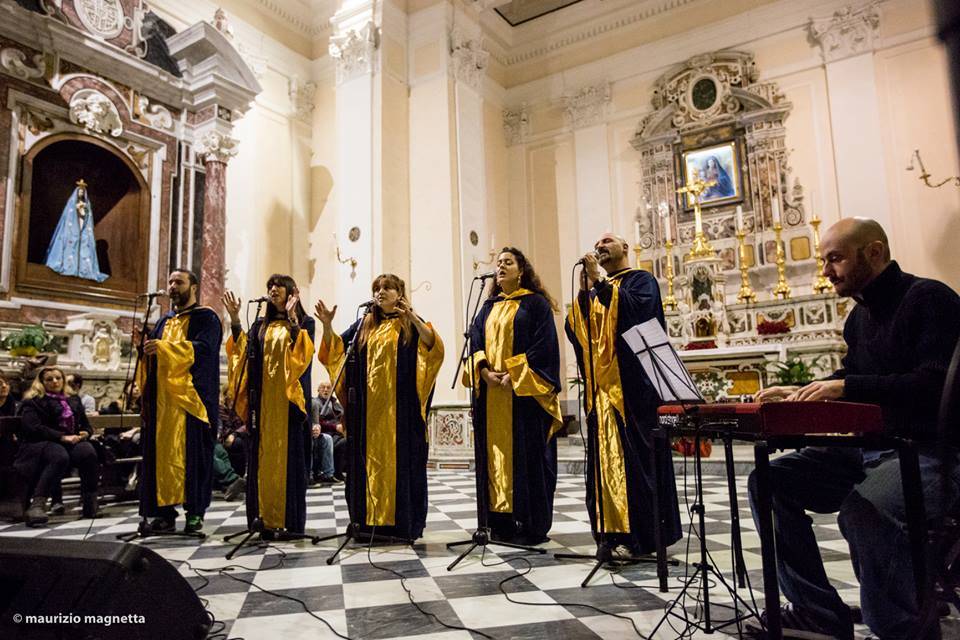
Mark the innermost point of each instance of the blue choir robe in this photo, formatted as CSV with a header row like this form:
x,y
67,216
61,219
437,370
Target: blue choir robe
x,y
272,379
622,418
181,390
515,333
386,395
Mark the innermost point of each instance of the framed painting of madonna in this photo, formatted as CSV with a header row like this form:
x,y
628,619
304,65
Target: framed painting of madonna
x,y
718,164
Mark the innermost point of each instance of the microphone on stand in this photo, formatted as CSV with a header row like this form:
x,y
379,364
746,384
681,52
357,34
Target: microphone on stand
x,y
368,304
596,254
261,299
160,293
485,276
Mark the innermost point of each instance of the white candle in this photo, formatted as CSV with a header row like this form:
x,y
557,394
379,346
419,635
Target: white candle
x,y
775,208
493,244
636,232
739,218
666,226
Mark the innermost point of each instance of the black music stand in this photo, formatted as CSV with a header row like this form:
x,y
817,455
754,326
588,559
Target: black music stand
x,y
674,385
481,536
356,434
144,529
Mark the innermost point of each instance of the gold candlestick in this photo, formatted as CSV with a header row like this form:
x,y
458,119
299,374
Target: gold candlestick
x,y
669,302
746,291
701,246
782,290
820,284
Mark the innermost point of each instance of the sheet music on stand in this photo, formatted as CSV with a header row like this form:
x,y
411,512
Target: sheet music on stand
x,y
661,363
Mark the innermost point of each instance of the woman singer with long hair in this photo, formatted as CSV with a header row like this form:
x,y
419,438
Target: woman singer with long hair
x,y
515,371
398,358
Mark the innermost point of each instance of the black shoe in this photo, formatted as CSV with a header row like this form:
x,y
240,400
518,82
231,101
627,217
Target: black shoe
x,y
799,623
36,513
163,525
194,523
57,509
325,479
235,490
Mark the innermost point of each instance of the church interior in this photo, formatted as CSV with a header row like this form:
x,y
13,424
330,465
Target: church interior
x,y
336,140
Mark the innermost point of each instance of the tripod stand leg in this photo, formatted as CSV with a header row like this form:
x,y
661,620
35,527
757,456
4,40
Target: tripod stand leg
x,y
596,567
451,545
240,544
739,566
346,539
473,545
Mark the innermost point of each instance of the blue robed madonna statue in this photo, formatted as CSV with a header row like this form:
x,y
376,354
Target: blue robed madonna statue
x,y
73,248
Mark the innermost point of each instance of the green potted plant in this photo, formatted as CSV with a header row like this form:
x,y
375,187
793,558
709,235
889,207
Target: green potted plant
x,y
792,372
28,341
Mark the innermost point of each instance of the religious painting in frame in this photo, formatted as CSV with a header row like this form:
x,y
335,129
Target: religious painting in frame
x,y
718,163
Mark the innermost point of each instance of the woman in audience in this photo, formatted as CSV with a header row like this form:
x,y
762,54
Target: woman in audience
x,y
8,405
54,437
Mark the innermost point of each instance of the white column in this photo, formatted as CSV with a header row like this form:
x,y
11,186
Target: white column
x,y
594,207
846,41
355,47
857,139
585,111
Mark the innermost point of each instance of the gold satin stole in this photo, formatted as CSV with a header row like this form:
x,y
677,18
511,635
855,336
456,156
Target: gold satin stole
x,y
283,364
498,353
612,484
176,397
381,412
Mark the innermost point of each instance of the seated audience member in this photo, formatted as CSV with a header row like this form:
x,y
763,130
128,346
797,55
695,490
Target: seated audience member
x,y
8,405
900,337
131,398
54,436
331,425
233,435
75,384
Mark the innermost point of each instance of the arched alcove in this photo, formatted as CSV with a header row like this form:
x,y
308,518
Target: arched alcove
x,y
120,201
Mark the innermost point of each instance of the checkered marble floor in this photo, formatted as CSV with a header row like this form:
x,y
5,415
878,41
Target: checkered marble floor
x,y
362,595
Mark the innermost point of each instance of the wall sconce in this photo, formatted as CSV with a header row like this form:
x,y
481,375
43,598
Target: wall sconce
x,y
349,260
926,176
490,261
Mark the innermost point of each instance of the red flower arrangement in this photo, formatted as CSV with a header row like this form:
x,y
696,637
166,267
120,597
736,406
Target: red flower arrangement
x,y
703,344
772,327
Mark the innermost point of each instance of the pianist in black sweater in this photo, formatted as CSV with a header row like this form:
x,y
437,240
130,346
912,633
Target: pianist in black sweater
x,y
900,337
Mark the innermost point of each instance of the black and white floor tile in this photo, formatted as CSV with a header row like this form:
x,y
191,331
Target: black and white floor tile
x,y
502,593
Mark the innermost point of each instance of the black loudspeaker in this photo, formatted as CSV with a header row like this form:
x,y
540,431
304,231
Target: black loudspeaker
x,y
88,590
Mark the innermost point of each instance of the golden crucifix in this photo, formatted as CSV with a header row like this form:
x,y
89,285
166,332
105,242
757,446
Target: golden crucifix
x,y
695,186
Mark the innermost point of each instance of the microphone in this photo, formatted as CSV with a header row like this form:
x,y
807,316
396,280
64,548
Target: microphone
x,y
261,299
485,276
596,254
159,293
368,304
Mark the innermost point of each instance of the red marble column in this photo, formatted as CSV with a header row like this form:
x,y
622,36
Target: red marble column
x,y
213,258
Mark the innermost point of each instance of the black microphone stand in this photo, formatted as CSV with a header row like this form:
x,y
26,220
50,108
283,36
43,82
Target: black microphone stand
x,y
604,555
144,530
356,433
257,527
481,537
